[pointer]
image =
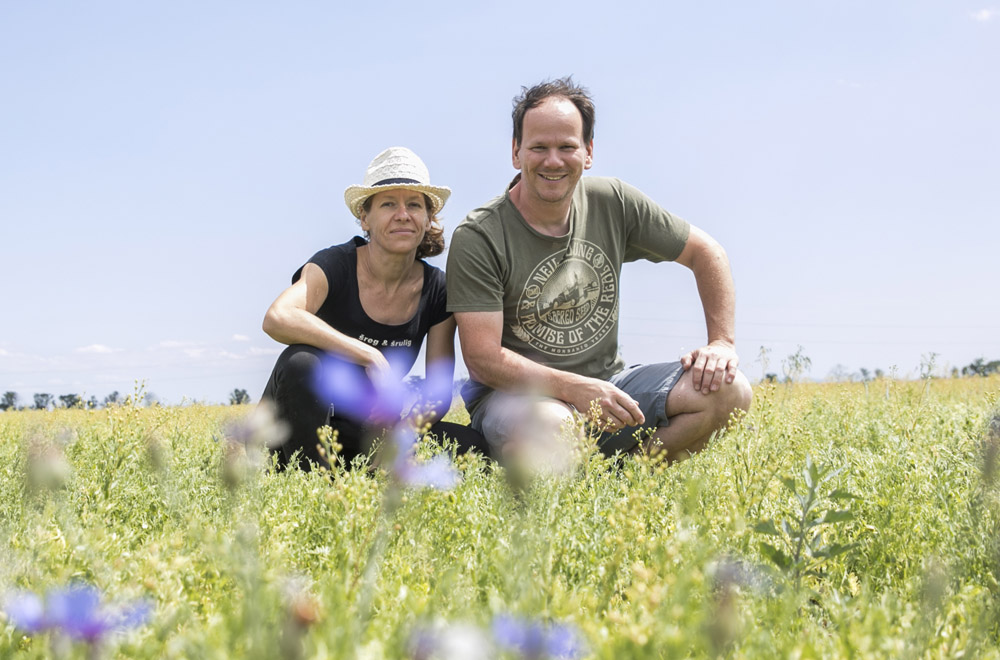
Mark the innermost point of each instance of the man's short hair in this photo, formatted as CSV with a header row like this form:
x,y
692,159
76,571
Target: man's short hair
x,y
564,87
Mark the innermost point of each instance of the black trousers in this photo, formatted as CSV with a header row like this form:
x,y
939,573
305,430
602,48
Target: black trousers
x,y
290,389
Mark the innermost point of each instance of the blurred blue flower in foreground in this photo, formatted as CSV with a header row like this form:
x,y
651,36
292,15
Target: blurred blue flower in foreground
x,y
379,400
532,639
435,473
26,611
75,611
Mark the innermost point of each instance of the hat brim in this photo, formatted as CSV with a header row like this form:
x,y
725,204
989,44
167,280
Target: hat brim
x,y
355,196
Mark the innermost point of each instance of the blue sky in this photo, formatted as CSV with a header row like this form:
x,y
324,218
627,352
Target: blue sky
x,y
166,166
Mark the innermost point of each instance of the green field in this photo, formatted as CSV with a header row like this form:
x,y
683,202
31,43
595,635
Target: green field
x,y
840,520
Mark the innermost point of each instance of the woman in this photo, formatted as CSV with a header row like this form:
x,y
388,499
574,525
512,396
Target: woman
x,y
365,302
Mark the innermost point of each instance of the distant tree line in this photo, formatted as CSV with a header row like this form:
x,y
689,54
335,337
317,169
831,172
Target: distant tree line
x,y
45,401
979,367
798,363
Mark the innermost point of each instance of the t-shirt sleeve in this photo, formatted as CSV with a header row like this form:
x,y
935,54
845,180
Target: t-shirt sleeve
x,y
333,262
476,271
654,234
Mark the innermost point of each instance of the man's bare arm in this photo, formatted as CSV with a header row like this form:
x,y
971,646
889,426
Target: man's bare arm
x,y
716,362
502,369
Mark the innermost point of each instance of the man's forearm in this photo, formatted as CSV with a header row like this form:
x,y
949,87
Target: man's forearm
x,y
718,301
718,295
508,371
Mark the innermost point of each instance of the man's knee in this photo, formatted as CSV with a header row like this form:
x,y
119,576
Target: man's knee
x,y
539,418
515,419
742,392
551,414
542,441
732,397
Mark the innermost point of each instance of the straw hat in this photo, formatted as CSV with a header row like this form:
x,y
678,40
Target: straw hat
x,y
394,168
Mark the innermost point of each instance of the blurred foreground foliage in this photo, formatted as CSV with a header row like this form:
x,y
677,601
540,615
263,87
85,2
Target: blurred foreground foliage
x,y
833,520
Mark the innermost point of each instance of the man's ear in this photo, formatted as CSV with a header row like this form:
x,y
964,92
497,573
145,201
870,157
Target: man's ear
x,y
515,160
589,161
364,219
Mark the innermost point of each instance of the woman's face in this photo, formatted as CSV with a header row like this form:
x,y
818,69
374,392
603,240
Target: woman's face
x,y
396,220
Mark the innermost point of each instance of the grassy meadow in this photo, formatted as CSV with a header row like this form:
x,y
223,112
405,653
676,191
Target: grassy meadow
x,y
857,520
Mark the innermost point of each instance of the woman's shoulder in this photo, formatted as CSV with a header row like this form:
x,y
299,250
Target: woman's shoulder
x,y
334,259
342,254
342,249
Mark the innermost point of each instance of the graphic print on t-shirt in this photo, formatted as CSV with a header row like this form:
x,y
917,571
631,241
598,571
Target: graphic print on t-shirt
x,y
569,302
383,343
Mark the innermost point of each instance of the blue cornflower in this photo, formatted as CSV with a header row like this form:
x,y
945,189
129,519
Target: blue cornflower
x,y
378,400
353,394
76,611
533,639
26,611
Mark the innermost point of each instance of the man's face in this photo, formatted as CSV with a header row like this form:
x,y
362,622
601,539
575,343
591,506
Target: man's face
x,y
552,155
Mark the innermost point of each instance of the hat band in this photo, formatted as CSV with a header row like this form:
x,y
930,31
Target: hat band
x,y
390,182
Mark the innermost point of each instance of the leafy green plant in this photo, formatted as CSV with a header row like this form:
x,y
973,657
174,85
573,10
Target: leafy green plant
x,y
802,546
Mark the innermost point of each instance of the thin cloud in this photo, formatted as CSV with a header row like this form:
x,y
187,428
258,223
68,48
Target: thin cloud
x,y
173,343
984,15
211,353
196,350
96,348
256,350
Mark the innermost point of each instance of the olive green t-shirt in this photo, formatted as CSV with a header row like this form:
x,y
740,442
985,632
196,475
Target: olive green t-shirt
x,y
559,295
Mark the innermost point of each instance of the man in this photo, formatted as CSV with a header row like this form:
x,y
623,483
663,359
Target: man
x,y
533,281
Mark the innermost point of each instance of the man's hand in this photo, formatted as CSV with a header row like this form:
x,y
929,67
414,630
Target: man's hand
x,y
506,371
616,406
711,364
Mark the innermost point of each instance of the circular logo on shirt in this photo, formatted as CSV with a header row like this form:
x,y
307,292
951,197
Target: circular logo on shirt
x,y
569,302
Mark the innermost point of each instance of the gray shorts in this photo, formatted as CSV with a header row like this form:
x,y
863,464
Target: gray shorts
x,y
648,384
